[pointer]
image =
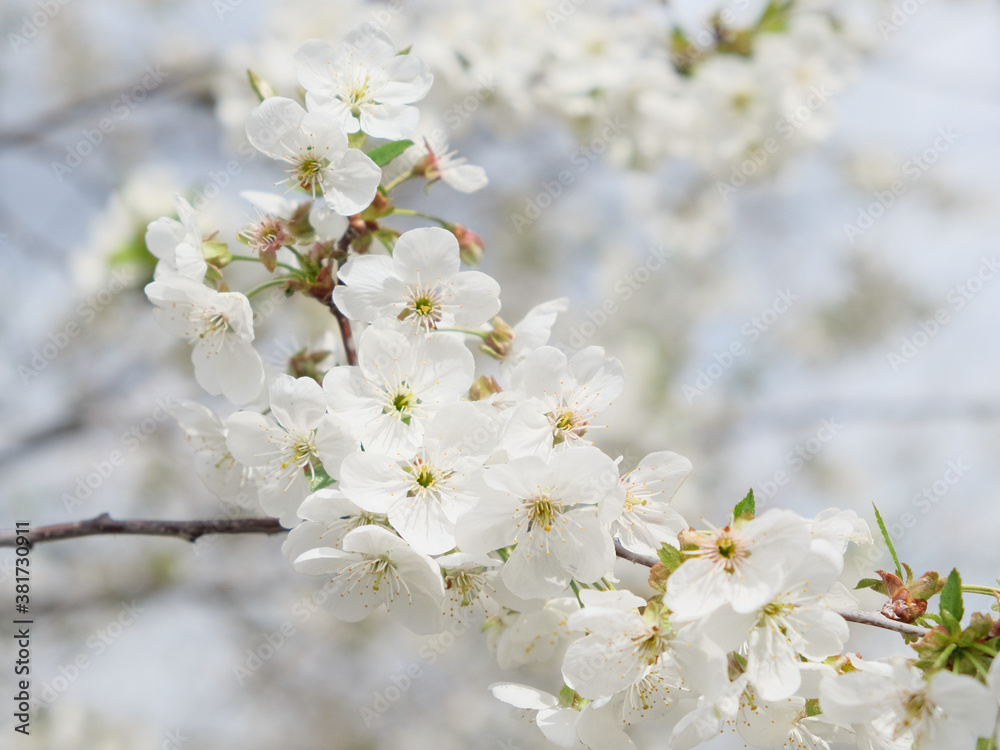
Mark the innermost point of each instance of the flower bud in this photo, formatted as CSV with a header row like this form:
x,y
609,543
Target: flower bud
x,y
498,342
484,387
470,245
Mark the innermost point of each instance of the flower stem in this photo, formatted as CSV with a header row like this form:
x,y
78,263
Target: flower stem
x,y
576,590
422,215
399,180
985,590
250,258
267,285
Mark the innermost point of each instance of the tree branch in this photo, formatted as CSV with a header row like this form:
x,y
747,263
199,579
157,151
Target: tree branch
x,y
105,524
192,530
345,325
875,619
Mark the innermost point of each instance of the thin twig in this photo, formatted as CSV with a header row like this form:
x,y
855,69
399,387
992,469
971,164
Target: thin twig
x,y
105,524
192,530
875,619
346,334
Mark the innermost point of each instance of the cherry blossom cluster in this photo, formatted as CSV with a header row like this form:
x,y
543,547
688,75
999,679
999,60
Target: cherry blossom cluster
x,y
697,80
439,465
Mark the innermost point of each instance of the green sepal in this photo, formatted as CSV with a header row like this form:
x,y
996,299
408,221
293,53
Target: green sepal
x,y
385,153
320,479
670,556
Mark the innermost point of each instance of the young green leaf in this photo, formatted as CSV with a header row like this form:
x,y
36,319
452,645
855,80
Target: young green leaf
x,y
385,153
745,507
888,541
670,556
951,596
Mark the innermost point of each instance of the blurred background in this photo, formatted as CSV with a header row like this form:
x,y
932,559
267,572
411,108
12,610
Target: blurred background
x,y
782,218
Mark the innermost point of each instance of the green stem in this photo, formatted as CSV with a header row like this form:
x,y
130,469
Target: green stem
x,y
576,590
266,285
252,259
421,214
608,586
399,180
480,334
974,589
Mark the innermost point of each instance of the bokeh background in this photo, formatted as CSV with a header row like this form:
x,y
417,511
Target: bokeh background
x,y
868,362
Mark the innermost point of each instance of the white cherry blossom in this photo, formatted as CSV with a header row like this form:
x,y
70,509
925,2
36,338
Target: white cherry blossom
x,y
364,83
219,325
399,383
560,398
315,146
226,477
425,495
647,521
556,512
328,517
420,284
290,444
557,723
945,712
176,243
741,565
375,568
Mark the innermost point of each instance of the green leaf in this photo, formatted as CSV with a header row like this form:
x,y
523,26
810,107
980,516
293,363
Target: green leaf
x,y
745,507
867,583
671,557
951,596
385,153
888,542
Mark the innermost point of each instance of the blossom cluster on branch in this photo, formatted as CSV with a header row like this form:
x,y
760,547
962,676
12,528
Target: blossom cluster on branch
x,y
439,480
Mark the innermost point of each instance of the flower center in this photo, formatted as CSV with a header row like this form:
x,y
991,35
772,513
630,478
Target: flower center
x,y
425,477
301,454
724,548
566,425
308,172
423,303
467,583
543,510
378,568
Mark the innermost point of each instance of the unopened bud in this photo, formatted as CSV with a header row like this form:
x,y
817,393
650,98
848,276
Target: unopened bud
x,y
484,387
470,245
216,253
499,341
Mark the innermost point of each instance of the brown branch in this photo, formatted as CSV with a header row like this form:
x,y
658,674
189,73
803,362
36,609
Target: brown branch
x,y
346,334
875,619
105,524
192,530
